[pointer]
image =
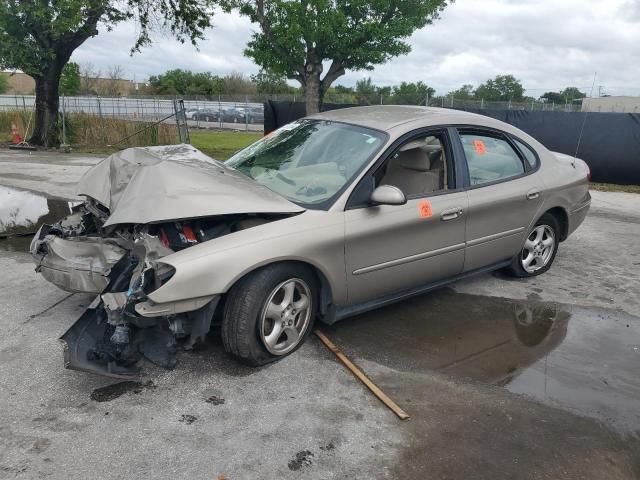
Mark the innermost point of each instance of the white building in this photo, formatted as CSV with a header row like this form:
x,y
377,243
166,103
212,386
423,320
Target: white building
x,y
612,104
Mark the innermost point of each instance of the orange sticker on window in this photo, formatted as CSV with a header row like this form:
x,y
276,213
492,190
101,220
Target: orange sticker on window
x,y
479,146
426,211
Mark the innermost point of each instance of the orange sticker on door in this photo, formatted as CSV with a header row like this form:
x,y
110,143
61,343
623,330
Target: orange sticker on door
x,y
426,211
480,147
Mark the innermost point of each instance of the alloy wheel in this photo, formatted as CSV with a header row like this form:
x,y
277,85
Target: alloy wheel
x,y
538,249
286,316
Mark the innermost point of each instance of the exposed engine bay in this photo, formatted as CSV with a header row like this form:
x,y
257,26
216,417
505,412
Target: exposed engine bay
x,y
112,245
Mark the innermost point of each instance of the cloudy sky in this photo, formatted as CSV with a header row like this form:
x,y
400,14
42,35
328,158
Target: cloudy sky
x,y
548,44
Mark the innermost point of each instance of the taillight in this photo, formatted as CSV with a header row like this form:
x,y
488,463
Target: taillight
x,y
588,174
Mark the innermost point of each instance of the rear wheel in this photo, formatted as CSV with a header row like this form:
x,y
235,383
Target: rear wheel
x,y
539,250
269,313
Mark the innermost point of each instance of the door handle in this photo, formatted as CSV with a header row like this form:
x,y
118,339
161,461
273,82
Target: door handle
x,y
533,195
451,214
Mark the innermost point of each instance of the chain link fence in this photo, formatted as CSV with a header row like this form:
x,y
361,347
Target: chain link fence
x,y
105,119
225,112
246,111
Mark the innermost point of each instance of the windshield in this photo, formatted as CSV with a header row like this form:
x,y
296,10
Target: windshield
x,y
310,161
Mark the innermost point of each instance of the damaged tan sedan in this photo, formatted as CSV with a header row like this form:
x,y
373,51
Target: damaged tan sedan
x,y
325,218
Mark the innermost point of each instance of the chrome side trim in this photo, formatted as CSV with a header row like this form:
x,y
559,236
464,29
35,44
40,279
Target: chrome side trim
x,y
412,258
349,311
495,236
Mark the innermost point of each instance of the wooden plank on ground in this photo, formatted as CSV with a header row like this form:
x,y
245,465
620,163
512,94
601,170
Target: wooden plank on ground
x,y
393,406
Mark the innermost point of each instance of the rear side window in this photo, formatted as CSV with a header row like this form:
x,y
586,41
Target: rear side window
x,y
529,155
490,159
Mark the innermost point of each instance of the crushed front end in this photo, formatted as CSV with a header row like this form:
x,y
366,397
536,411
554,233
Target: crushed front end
x,y
143,205
122,264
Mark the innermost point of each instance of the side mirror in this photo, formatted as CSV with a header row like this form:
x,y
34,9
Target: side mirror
x,y
388,195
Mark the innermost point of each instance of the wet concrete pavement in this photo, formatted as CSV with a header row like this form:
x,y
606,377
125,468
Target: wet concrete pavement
x,y
51,174
502,379
584,360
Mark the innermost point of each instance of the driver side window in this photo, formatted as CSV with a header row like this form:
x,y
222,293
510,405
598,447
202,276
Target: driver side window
x,y
418,167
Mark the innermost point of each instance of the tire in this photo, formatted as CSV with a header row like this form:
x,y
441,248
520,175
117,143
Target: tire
x,y
537,246
249,331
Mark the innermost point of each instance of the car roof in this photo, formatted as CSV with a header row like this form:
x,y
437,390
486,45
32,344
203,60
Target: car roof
x,y
389,117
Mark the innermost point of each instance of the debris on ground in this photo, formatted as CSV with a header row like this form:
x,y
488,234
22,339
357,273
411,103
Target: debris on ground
x,y
188,419
302,459
214,400
359,374
115,390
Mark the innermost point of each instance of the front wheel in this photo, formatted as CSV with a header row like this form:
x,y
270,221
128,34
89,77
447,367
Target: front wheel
x,y
269,313
539,250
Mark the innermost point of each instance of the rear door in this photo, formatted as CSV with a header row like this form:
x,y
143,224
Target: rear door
x,y
390,249
505,195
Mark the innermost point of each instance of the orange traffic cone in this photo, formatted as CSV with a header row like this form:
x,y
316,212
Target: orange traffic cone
x,y
16,138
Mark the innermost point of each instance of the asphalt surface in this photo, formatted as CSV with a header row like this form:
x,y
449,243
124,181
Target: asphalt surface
x,y
502,378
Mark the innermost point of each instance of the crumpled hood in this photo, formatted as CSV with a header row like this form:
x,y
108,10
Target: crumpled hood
x,y
156,184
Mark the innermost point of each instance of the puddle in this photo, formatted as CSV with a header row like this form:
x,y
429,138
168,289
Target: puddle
x,y
580,359
22,213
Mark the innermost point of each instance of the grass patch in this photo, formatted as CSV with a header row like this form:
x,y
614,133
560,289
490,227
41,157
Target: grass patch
x,y
222,145
610,187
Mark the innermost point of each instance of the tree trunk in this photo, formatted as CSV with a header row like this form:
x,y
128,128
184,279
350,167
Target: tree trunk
x,y
313,88
45,131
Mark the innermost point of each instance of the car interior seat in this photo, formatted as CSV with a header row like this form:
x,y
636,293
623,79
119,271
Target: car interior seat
x,y
412,171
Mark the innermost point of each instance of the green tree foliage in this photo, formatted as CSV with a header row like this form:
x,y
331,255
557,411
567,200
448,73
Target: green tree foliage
x,y
502,88
70,79
268,83
184,82
342,89
39,37
463,93
237,83
572,93
4,83
366,92
411,93
552,97
568,95
385,92
295,37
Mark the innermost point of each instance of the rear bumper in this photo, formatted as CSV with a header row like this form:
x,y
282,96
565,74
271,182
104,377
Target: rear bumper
x,y
578,214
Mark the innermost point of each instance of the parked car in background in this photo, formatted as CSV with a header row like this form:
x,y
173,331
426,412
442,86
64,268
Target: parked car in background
x,y
325,218
234,115
190,113
256,115
207,115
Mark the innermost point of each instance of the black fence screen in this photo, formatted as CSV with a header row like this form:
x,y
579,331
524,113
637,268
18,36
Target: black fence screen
x,y
610,142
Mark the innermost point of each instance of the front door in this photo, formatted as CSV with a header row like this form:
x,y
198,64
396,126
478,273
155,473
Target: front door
x,y
390,249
